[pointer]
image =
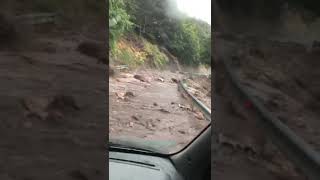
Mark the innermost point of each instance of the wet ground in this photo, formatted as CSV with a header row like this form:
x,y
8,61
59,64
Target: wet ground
x,y
273,73
284,76
200,87
52,99
152,110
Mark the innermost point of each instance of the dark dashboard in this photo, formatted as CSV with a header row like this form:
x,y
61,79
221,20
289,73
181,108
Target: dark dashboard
x,y
128,166
193,162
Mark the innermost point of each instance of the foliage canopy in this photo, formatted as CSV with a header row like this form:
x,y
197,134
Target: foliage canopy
x,y
161,23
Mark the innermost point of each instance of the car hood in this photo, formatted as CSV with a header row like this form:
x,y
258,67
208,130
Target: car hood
x,y
159,146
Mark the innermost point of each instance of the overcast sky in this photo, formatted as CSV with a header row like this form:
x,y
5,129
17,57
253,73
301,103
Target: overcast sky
x,y
200,9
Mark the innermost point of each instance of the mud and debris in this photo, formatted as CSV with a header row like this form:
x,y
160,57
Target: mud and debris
x,y
51,101
8,32
285,79
157,111
200,87
94,49
278,74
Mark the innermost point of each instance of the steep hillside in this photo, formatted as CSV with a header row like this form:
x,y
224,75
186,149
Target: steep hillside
x,y
160,23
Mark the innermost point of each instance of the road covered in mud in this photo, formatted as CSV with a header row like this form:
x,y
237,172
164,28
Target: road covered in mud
x,y
52,99
146,104
283,77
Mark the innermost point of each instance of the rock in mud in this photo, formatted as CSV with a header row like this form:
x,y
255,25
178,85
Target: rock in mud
x,y
164,110
94,49
150,124
174,80
135,118
160,79
182,106
130,124
63,103
141,78
129,94
120,95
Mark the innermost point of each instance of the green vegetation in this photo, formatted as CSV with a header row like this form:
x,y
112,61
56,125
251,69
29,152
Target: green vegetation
x,y
160,23
191,43
119,21
154,56
126,56
126,51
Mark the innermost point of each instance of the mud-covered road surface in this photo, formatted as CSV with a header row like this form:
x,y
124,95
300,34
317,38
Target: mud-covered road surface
x,y
52,111
152,110
284,76
281,75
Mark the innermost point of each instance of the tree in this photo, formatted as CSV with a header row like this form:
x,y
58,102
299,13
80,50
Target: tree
x,y
119,21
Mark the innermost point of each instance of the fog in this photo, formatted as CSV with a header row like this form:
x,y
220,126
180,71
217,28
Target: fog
x,y
198,9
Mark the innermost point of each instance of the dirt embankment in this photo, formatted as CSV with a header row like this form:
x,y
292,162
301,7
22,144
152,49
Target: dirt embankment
x,y
53,117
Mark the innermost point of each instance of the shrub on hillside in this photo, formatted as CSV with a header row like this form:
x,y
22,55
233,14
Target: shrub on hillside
x,y
155,57
119,21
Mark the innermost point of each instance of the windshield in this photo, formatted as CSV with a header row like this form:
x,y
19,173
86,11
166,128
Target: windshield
x,y
159,73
